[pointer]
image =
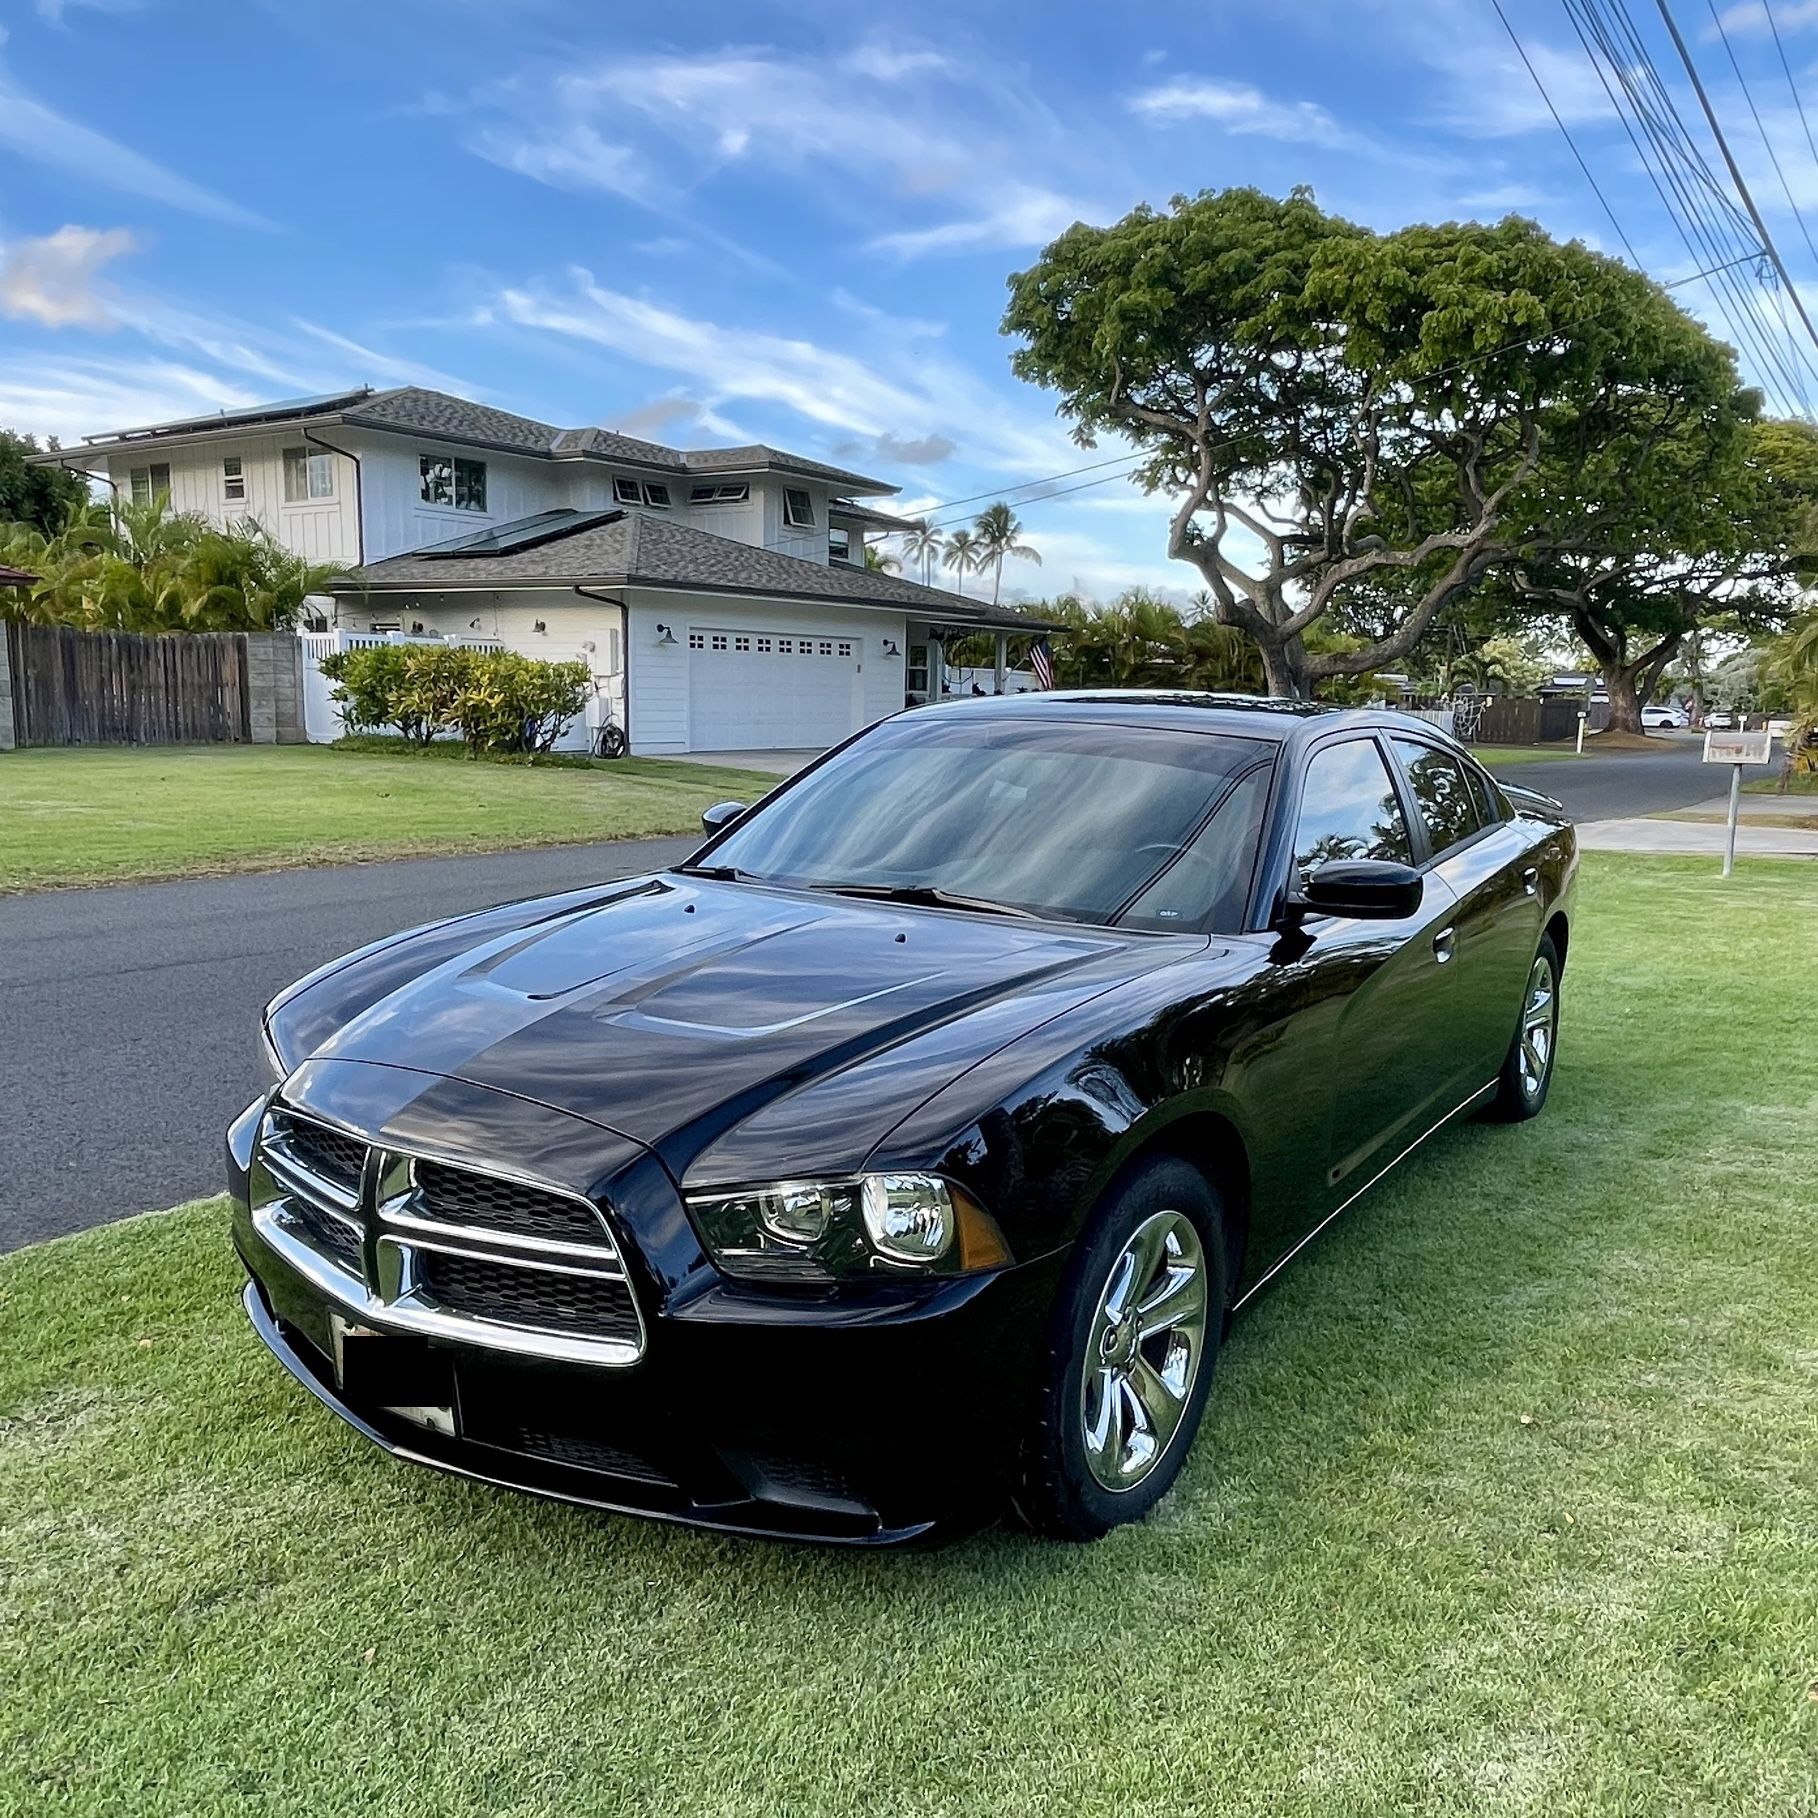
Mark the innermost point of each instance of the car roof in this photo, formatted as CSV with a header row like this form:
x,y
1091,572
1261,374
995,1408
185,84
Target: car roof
x,y
1183,710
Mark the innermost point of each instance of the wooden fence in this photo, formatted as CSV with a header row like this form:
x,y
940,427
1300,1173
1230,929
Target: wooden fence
x,y
116,688
1535,722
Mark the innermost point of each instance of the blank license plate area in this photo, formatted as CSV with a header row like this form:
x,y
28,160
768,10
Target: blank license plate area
x,y
383,1370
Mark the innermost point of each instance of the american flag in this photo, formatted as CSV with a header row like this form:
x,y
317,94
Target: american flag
x,y
1041,660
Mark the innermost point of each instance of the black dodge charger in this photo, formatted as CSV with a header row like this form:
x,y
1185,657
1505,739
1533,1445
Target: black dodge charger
x,y
906,1152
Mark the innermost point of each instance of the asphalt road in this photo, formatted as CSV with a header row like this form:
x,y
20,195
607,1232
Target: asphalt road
x,y
1613,785
128,1016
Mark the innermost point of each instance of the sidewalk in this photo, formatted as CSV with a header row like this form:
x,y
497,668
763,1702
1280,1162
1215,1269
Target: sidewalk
x,y
1699,829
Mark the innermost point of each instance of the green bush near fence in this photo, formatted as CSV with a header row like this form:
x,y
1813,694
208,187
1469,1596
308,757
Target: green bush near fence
x,y
497,700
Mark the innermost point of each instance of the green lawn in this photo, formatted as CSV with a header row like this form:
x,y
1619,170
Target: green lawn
x,y
1498,757
1507,1503
1804,783
107,816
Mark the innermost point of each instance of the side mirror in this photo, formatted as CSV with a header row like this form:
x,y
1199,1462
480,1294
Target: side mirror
x,y
721,814
1378,890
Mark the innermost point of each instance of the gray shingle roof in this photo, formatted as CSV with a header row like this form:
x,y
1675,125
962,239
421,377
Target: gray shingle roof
x,y
414,409
644,549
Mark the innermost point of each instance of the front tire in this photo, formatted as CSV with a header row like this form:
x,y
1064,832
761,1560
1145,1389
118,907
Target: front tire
x,y
1527,1071
1129,1361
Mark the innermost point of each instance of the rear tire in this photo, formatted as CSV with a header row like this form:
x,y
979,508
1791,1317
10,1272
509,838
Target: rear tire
x,y
1128,1366
1527,1071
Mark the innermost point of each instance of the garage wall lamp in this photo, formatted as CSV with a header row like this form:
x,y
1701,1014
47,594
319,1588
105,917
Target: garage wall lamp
x,y
665,635
891,648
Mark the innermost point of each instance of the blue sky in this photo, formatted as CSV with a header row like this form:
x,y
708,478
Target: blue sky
x,y
782,223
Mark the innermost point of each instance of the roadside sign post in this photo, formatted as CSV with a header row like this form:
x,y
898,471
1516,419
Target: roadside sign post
x,y
1736,749
1582,717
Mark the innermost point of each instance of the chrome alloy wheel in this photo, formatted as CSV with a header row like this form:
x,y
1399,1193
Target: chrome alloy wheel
x,y
1539,1023
1145,1350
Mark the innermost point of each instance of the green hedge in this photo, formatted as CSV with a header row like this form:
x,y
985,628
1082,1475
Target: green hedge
x,y
495,699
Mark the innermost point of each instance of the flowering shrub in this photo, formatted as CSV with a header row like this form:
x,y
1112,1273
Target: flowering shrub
x,y
496,699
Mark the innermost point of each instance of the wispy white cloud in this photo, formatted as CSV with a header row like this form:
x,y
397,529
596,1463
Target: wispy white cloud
x,y
1020,215
1751,16
843,390
1240,108
57,279
73,398
32,130
883,126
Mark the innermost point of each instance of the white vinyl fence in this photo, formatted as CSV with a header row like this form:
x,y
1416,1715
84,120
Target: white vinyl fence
x,y
322,722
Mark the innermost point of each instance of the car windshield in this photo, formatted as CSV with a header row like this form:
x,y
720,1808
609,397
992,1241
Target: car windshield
x,y
1088,822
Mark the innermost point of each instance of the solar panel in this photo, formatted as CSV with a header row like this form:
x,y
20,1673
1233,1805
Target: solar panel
x,y
520,533
252,413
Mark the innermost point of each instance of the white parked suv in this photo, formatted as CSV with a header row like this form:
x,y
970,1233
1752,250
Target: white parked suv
x,y
1670,719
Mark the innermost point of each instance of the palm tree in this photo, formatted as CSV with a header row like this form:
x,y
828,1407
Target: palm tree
x,y
962,554
997,530
879,561
923,543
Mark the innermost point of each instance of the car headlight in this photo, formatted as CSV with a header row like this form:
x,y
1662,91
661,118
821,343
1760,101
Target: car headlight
x,y
832,1230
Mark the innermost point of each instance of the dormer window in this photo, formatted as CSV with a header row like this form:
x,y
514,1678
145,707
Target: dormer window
x,y
798,508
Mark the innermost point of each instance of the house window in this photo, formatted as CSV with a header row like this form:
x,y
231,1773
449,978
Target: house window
x,y
449,480
233,479
798,508
720,495
656,495
307,475
839,545
625,491
150,483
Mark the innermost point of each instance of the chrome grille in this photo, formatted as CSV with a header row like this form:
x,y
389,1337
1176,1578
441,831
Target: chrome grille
x,y
454,1251
457,1196
564,1300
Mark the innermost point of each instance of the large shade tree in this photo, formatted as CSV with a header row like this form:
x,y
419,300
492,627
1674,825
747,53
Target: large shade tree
x,y
1721,524
1344,416
41,497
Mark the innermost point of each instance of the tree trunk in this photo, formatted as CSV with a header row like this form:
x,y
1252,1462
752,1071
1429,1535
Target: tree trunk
x,y
1284,668
1625,702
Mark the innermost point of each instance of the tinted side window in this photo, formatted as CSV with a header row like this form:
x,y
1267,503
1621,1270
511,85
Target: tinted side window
x,y
1207,887
1349,809
1441,793
1489,803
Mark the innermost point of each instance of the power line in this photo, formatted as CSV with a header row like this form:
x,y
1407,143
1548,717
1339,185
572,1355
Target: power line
x,y
1729,158
1792,86
1705,215
1742,82
1565,133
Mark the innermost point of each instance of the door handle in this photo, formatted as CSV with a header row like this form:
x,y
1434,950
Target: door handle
x,y
1530,880
1443,943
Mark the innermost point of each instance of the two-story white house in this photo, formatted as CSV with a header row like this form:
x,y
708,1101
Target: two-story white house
x,y
719,595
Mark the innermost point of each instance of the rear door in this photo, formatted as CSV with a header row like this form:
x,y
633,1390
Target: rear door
x,y
1386,987
1457,819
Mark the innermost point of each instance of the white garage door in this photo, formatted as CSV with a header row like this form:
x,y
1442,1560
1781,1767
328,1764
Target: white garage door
x,y
761,690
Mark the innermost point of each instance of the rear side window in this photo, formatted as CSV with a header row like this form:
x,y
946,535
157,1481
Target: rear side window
x,y
1442,795
1349,809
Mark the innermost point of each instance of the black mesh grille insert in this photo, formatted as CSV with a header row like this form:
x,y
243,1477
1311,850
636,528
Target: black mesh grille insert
x,y
330,1236
325,1152
459,1198
589,1454
589,1306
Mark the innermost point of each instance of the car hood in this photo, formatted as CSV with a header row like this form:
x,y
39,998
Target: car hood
x,y
678,1006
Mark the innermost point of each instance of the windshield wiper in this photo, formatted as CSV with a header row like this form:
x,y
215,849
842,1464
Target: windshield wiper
x,y
926,895
720,874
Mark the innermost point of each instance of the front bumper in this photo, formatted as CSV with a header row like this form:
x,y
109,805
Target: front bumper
x,y
862,1423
